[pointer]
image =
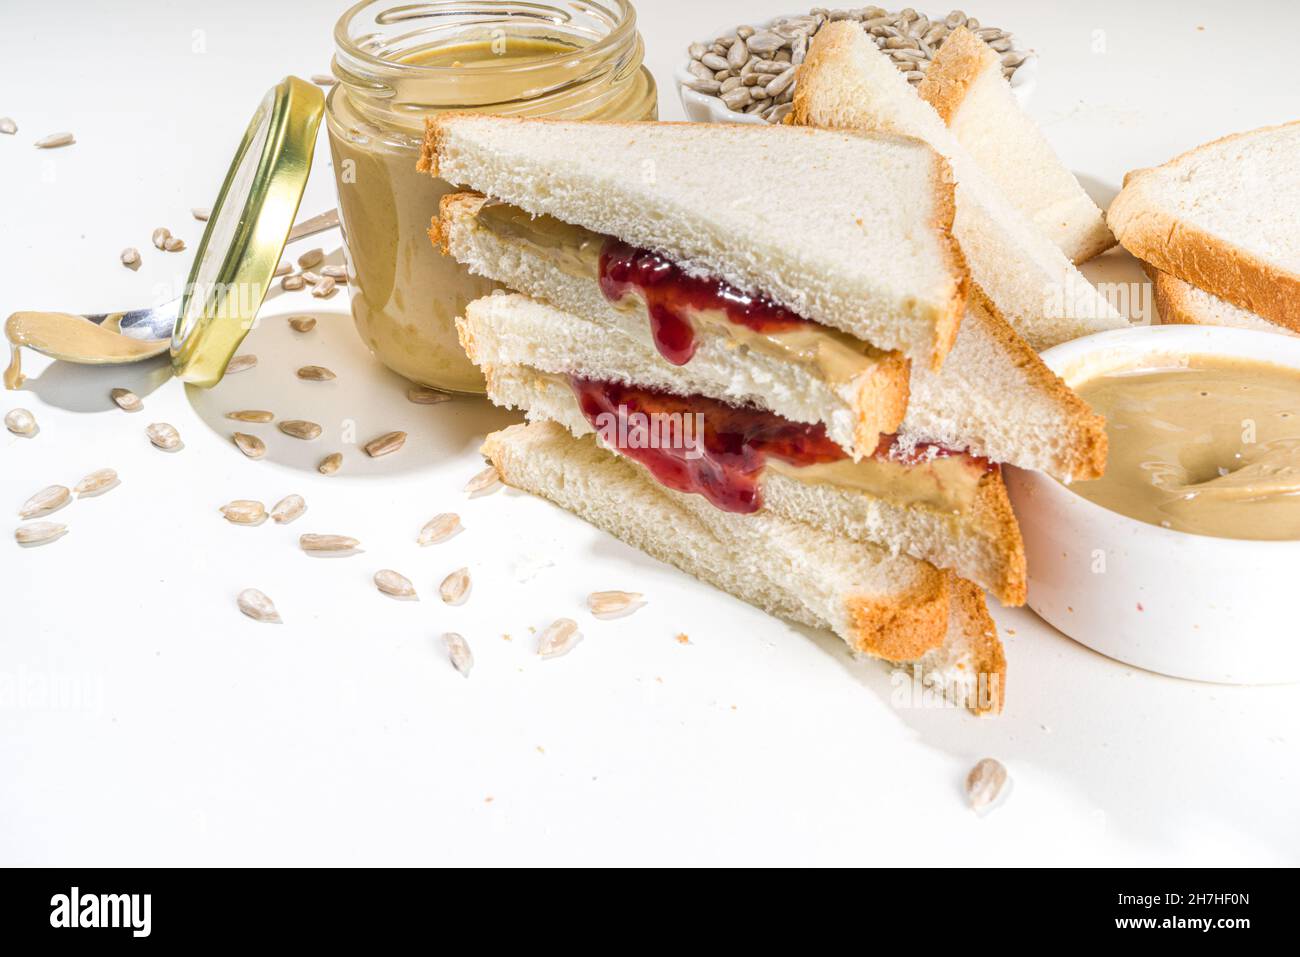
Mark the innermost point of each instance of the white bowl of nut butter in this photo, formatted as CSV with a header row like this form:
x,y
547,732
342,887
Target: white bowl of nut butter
x,y
1182,559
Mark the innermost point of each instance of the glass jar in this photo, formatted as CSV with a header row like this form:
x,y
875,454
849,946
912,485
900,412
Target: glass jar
x,y
398,63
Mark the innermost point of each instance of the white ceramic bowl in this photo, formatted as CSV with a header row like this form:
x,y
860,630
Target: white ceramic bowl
x,y
704,108
1213,609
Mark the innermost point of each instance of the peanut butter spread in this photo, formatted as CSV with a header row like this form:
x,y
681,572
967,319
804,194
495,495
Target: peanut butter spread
x,y
1212,448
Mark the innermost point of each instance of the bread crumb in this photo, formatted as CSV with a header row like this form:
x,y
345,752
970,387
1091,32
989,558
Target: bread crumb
x,y
507,638
683,638
540,749
489,799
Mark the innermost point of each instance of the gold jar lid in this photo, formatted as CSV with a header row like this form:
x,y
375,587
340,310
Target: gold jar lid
x,y
247,230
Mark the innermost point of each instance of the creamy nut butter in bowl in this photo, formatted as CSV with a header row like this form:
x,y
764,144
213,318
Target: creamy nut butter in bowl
x,y
399,63
1182,559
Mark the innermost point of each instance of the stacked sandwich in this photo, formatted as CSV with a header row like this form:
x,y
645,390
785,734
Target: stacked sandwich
x,y
1216,230
758,354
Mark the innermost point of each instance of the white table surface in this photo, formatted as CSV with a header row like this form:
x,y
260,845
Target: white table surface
x,y
143,720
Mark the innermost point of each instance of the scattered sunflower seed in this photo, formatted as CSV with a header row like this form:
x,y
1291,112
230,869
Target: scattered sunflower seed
x,y
160,236
257,606
455,587
985,783
292,283
174,244
385,444
311,258
300,429
8,126
302,323
462,659
325,288
288,508
131,257
20,422
100,480
282,270
324,79
126,400
250,445
241,363
251,415
327,543
559,638
391,583
49,499
337,273
613,604
330,464
486,481
422,395
244,512
439,529
201,213
310,278
315,374
38,533
55,140
164,436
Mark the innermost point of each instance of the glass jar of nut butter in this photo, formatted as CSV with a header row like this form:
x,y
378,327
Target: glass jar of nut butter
x,y
398,63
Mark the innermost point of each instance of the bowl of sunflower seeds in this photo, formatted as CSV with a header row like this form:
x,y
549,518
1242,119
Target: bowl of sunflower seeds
x,y
747,74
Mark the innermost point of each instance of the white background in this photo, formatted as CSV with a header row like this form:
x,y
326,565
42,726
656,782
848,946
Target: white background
x,y
198,736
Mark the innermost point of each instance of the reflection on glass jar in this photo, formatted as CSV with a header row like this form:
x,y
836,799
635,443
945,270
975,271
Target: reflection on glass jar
x,y
399,63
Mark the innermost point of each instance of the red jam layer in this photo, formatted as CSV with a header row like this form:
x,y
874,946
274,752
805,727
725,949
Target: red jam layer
x,y
723,464
670,295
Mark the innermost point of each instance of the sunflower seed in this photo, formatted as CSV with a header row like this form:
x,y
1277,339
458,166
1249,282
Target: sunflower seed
x,y
292,283
251,415
241,363
100,480
302,323
311,258
283,269
984,783
440,528
201,213
315,374
330,464
385,444
325,288
323,79
55,140
484,482
337,273
131,257
126,400
462,659
455,587
310,278
300,429
164,436
288,508
20,422
8,126
49,499
160,236
244,512
327,543
559,638
421,395
613,604
257,606
250,445
391,583
38,533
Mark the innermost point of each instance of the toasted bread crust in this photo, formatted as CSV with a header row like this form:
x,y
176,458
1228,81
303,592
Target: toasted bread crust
x,y
1197,256
957,64
989,658
1176,307
903,630
991,510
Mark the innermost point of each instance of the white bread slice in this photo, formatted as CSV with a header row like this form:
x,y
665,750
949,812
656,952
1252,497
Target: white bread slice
x,y
847,83
501,335
964,84
856,413
995,397
886,607
869,250
1181,303
1223,217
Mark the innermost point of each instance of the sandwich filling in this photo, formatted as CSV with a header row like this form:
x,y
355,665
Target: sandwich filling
x,y
678,305
699,445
